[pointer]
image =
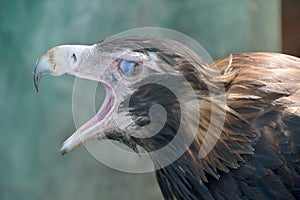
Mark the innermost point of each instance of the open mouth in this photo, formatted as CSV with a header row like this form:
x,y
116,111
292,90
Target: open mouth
x,y
91,129
107,104
70,59
104,110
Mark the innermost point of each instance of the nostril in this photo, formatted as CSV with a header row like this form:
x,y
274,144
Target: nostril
x,y
73,58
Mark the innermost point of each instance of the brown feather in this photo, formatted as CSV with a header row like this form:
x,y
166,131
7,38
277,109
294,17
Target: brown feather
x,y
260,132
257,153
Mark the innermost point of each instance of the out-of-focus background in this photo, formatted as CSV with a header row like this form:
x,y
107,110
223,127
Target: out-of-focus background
x,y
33,126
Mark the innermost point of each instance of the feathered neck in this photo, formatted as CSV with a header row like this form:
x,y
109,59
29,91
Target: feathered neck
x,y
187,176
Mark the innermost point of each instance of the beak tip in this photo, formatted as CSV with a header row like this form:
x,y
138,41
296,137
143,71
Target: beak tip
x,y
71,143
67,146
36,80
63,151
36,89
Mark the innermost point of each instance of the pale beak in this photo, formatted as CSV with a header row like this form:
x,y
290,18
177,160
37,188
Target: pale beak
x,y
68,59
58,61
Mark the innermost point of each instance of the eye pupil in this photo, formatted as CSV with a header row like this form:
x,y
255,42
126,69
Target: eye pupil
x,y
128,68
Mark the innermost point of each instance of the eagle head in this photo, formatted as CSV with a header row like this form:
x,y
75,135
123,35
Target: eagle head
x,y
143,77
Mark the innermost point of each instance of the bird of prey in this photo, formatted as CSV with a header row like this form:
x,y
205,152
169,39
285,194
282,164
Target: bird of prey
x,y
256,154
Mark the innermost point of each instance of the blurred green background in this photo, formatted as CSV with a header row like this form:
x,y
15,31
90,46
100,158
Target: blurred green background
x,y
33,126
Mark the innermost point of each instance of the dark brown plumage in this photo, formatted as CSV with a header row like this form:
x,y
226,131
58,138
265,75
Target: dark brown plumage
x,y
257,153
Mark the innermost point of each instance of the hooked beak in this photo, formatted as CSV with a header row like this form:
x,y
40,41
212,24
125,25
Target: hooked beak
x,y
36,79
60,60
67,59
43,67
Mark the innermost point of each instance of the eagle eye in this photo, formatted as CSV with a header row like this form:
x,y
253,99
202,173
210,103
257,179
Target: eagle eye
x,y
129,68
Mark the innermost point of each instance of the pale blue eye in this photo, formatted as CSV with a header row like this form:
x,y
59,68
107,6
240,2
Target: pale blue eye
x,y
128,68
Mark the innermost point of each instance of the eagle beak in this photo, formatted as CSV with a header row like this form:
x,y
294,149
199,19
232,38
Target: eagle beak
x,y
60,60
70,59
